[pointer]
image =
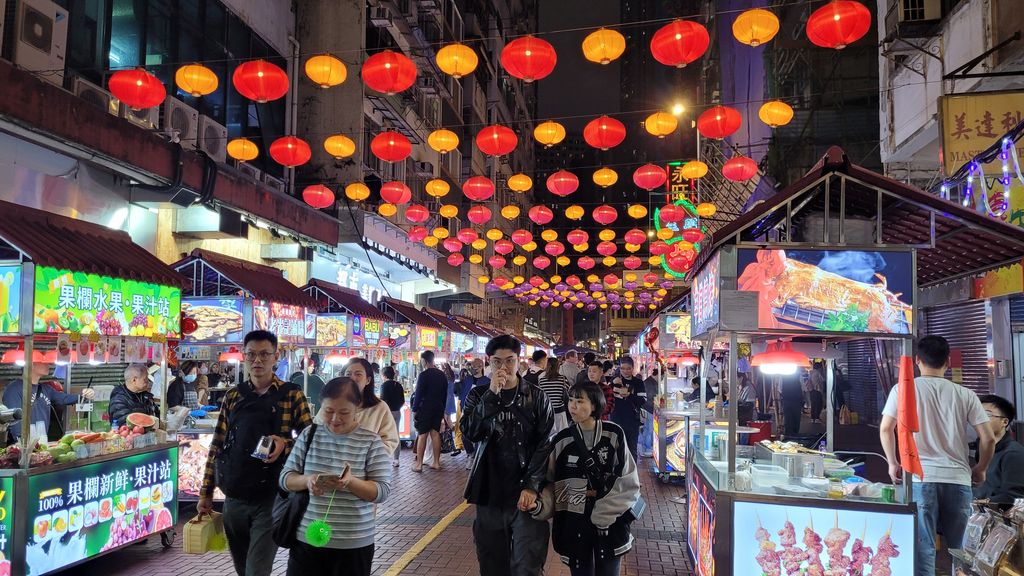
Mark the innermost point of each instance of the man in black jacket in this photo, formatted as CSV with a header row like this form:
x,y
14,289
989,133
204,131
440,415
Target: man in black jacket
x,y
510,420
134,396
1005,479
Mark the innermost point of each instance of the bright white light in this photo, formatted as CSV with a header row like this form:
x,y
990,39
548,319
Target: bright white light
x,y
779,369
262,224
118,218
678,109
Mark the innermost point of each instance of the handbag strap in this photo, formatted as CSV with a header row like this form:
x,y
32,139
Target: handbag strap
x,y
309,444
600,480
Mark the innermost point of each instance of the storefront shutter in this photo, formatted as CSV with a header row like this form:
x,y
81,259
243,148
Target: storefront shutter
x,y
863,379
966,328
1017,313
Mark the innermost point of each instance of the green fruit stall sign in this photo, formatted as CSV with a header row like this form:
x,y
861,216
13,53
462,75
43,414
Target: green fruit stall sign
x,y
78,302
81,512
6,528
10,299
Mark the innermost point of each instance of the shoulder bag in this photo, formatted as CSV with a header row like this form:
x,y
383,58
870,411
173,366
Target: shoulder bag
x,y
290,507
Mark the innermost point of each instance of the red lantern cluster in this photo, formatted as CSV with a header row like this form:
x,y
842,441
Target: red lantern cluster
x,y
555,248
635,236
606,248
260,80
719,122
541,215
585,263
577,237
479,214
693,236
562,183
672,213
529,58
679,42
503,247
452,244
739,168
496,262
318,196
418,233
290,151
497,140
456,259
604,132
395,192
649,177
632,262
521,237
417,213
838,24
391,147
478,188
467,235
660,248
137,88
541,262
389,72
605,214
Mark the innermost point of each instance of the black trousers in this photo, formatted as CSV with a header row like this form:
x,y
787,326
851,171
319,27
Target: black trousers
x,y
304,559
791,413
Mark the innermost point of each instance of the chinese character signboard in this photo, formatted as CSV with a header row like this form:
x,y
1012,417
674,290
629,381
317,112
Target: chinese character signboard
x,y
10,299
677,186
220,320
704,296
287,321
428,338
332,330
67,301
80,512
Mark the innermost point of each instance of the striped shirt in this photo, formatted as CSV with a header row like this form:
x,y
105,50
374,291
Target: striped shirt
x,y
350,518
555,389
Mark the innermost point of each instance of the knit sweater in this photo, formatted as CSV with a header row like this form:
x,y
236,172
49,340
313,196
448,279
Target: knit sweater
x,y
350,518
378,419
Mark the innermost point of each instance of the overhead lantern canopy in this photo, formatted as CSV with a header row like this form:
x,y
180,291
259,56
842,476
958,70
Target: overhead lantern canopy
x,y
661,124
519,183
562,183
391,147
541,215
243,149
497,140
339,146
395,192
137,88
605,177
456,259
260,80
389,72
755,27
417,214
326,71
679,42
636,211
603,46
838,24
529,58
577,237
694,170
739,168
479,214
437,188
457,60
604,132
510,212
574,212
290,151
357,191
478,188
649,177
775,113
443,140
318,196
196,79
549,133
605,214
448,211
719,122
387,210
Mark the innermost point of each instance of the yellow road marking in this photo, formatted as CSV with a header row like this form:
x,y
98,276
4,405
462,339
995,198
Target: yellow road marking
x,y
425,541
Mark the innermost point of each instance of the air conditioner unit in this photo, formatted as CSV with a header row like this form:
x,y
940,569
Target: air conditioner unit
x,y
40,38
275,183
148,118
181,121
424,169
94,95
380,17
920,10
250,171
213,139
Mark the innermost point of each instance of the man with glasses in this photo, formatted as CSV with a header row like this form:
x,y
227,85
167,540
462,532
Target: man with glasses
x,y
510,420
262,410
1004,482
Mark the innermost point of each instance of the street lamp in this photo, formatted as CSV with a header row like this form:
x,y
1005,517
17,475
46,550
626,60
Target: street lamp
x,y
678,109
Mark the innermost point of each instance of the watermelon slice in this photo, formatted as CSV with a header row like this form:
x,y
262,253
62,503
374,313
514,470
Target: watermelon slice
x,y
143,420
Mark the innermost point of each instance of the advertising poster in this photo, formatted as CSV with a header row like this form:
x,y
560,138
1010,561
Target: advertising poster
x,y
10,299
675,332
288,322
219,319
481,345
830,290
853,541
67,301
373,332
399,336
309,324
80,512
704,296
675,445
701,527
6,527
463,343
332,330
356,333
193,450
427,338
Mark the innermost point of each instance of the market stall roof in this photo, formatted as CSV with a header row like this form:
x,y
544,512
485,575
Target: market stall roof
x,y
564,349
474,328
445,322
952,241
211,274
49,239
410,313
331,297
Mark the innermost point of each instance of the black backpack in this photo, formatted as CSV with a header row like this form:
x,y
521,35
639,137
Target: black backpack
x,y
238,473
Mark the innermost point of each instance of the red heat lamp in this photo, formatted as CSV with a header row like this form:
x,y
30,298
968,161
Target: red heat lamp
x,y
16,356
336,357
688,359
779,359
232,356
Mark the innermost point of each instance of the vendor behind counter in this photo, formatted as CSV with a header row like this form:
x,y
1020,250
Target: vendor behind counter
x,y
46,395
1004,480
132,396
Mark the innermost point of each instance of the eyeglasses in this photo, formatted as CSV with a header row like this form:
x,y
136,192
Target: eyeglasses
x,y
511,361
261,356
991,415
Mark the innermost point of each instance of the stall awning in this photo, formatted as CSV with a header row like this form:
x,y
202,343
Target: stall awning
x,y
473,327
445,322
952,241
213,274
334,298
411,314
52,240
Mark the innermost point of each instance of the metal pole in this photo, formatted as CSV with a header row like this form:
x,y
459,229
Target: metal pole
x,y
734,410
26,404
829,411
163,383
908,479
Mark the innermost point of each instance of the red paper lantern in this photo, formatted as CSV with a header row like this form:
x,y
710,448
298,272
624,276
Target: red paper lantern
x,y
496,140
555,248
739,168
478,188
395,193
137,88
679,42
541,262
719,122
672,213
577,237
649,177
605,214
456,259
290,151
391,147
389,72
479,214
541,215
452,244
573,280
562,183
693,235
650,278
678,263
632,262
467,235
318,196
611,279
521,237
418,233
604,132
529,58
260,80
838,24
496,262
417,213
635,236
659,247
536,281
606,248
585,263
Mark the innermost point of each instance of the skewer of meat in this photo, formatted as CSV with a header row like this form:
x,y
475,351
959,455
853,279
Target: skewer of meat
x,y
886,550
860,554
767,557
835,541
813,543
792,556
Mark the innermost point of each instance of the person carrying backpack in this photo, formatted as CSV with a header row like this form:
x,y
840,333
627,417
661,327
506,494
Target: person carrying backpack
x,y
261,408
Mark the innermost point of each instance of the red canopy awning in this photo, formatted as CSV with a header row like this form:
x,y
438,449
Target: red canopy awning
x,y
334,298
214,274
411,314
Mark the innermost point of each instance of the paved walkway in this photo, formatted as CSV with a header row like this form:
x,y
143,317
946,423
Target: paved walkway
x,y
418,503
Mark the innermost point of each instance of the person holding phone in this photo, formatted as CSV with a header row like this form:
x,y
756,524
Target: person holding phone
x,y
630,399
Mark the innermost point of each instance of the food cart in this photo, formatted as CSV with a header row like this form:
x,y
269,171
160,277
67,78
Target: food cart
x,y
227,298
84,293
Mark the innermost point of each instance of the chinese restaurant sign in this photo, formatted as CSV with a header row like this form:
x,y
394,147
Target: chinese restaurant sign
x,y
80,512
285,320
67,301
704,298
428,338
220,320
10,299
366,332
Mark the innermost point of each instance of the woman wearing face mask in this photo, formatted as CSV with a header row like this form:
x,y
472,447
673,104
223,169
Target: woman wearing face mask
x,y
182,390
202,384
373,414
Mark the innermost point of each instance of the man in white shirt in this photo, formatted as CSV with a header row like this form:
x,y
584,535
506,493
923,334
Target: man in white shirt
x,y
570,367
944,410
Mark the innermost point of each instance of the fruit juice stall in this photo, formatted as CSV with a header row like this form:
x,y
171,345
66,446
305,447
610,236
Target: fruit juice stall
x,y
225,298
75,292
838,256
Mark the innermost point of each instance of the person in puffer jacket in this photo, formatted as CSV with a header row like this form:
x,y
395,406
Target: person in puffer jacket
x,y
593,506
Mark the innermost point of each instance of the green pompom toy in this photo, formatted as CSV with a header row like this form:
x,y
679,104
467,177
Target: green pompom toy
x,y
318,534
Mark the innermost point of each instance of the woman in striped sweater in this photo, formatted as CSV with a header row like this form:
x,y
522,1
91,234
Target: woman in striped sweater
x,y
346,470
555,387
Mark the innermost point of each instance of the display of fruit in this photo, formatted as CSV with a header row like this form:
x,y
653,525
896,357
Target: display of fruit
x,y
138,419
128,529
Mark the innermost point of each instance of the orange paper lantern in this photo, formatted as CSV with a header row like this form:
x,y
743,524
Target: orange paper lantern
x,y
196,79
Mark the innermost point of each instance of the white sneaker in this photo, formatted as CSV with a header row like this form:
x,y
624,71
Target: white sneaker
x,y
469,463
